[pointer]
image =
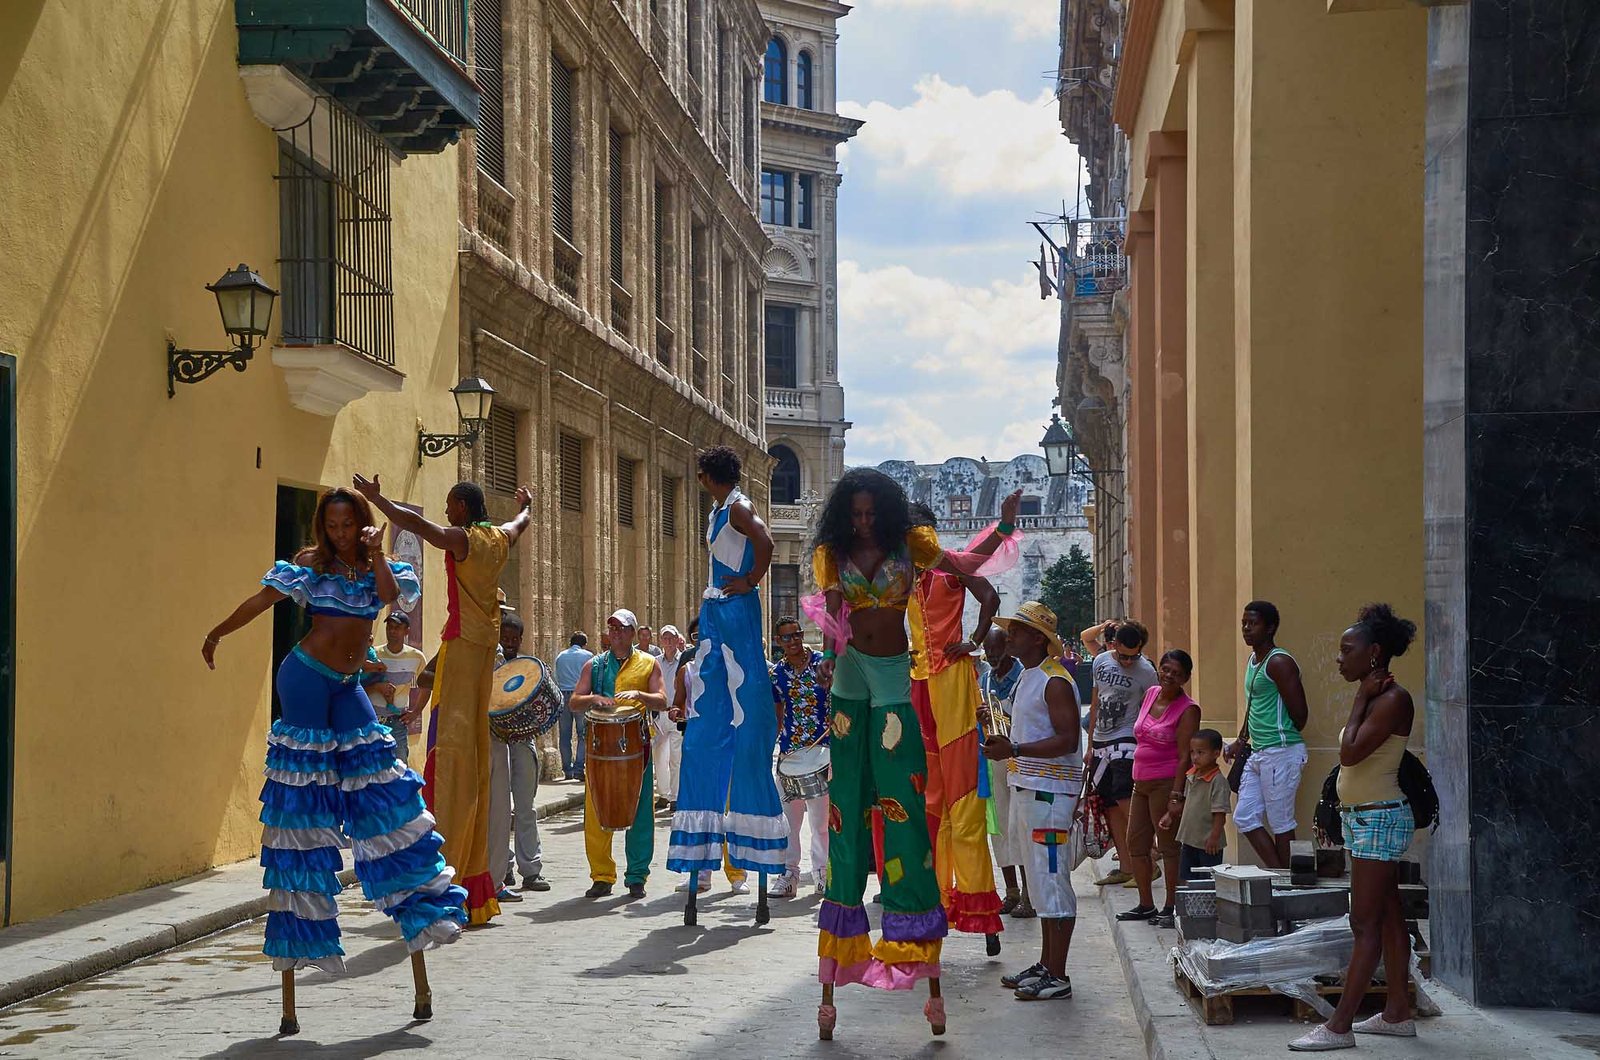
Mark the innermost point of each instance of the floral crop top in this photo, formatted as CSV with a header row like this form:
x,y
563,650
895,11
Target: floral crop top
x,y
341,597
891,585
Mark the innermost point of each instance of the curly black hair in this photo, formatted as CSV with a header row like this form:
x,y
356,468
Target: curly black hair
x,y
1379,625
922,515
471,495
721,465
891,517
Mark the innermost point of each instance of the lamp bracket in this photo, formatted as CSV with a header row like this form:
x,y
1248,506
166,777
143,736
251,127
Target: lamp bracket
x,y
440,444
191,366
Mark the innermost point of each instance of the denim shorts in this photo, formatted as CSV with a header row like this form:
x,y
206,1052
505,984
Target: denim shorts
x,y
1378,835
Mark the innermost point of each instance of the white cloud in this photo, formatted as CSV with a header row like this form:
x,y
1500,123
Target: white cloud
x,y
1028,18
934,369
969,145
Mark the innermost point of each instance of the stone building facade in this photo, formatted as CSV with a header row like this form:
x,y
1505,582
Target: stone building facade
x,y
965,494
611,265
800,135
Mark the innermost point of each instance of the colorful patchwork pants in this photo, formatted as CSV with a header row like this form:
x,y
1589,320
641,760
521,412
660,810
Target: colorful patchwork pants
x,y
457,770
639,843
947,709
878,761
332,772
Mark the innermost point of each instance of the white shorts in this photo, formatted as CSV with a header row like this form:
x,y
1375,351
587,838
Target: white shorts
x,y
1045,819
1268,788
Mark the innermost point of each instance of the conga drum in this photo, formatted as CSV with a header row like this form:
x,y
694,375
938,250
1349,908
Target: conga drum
x,y
618,749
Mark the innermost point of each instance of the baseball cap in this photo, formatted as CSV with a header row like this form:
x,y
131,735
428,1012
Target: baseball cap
x,y
669,628
623,617
400,617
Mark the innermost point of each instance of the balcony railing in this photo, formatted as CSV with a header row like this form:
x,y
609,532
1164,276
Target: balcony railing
x,y
702,370
1095,260
443,20
495,206
787,514
658,42
664,337
621,310
779,397
971,524
568,268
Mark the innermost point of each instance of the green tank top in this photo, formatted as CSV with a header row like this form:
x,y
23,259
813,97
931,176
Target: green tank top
x,y
1267,717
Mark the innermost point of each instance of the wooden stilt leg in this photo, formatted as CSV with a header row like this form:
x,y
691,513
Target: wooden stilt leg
x,y
419,976
935,1009
289,1024
763,914
827,1015
690,914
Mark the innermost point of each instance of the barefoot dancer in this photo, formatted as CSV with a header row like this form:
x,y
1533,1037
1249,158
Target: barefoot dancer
x,y
866,562
457,769
331,765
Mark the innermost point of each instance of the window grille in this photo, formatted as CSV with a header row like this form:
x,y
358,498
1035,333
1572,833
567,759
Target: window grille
x,y
625,468
489,58
618,188
781,355
563,146
500,450
659,260
705,511
571,472
786,590
669,506
333,199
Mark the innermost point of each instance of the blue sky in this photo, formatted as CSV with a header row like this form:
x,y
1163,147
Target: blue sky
x,y
945,347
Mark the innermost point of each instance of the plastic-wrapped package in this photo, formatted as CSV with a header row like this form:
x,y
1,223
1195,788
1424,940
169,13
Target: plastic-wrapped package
x,y
1286,964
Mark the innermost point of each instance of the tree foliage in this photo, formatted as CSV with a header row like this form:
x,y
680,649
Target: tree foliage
x,y
1068,590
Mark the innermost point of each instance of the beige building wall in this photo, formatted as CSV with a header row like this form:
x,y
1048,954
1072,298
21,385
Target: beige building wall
x,y
616,370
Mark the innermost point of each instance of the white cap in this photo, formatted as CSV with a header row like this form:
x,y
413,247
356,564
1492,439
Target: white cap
x,y
671,629
623,617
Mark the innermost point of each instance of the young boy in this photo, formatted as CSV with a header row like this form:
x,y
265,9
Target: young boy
x,y
1205,806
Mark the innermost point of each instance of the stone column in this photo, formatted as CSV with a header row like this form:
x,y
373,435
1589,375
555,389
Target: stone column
x,y
1142,453
1167,170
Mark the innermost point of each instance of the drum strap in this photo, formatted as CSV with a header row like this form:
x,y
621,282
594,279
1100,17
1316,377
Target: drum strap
x,y
603,674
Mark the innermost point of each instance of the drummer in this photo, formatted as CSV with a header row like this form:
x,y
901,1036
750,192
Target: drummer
x,y
802,725
513,788
620,680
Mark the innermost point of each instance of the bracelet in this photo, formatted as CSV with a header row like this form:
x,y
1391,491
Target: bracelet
x,y
829,655
1176,797
1006,529
213,641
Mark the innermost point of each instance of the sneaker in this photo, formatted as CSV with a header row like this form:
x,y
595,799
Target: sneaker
x,y
821,881
1027,975
598,890
742,887
507,895
1321,1040
1009,902
1164,919
1115,878
661,803
635,891
1376,1024
535,883
1045,988
1024,911
784,886
1138,912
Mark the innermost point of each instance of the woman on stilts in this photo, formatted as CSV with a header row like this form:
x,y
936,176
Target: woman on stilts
x,y
866,562
331,766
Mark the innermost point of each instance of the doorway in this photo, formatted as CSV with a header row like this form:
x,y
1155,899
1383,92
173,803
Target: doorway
x,y
296,509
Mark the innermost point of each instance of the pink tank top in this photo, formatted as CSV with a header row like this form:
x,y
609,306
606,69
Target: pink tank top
x,y
1155,751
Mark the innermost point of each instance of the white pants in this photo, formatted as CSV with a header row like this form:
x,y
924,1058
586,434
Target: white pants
x,y
1268,788
666,752
1046,820
513,784
797,811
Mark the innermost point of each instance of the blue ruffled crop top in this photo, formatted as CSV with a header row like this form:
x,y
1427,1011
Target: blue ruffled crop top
x,y
341,597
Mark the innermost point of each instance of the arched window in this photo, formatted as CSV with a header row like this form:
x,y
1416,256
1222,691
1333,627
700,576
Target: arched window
x,y
802,81
775,88
786,476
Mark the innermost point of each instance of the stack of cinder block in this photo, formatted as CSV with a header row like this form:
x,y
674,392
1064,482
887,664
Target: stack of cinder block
x,y
1244,903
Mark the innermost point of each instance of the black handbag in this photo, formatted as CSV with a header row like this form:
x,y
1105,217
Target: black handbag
x,y
1236,771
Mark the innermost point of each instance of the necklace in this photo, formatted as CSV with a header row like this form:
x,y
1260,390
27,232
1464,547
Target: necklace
x,y
351,572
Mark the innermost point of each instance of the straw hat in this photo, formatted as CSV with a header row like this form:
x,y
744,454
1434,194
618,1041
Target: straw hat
x,y
1034,615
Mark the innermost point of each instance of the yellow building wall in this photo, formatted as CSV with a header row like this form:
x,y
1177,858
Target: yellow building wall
x,y
137,174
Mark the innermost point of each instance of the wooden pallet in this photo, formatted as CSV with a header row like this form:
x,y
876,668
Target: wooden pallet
x,y
1217,1010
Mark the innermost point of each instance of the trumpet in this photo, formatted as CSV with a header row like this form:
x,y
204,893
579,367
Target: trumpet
x,y
999,723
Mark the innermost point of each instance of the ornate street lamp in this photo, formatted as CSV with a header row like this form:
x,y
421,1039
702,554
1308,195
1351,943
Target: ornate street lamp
x,y
474,398
245,302
1060,451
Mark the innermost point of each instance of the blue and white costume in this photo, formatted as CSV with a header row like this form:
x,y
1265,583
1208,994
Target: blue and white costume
x,y
726,790
331,773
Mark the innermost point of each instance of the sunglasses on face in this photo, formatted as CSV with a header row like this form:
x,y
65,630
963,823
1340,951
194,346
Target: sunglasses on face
x,y
1129,657
796,635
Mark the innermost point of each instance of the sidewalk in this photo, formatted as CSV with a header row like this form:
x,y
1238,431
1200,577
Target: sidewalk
x,y
1173,1029
47,954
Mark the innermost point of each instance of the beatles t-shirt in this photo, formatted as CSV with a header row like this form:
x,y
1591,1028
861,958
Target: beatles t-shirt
x,y
1122,690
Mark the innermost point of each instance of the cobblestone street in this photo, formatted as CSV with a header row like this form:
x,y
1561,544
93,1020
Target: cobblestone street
x,y
559,975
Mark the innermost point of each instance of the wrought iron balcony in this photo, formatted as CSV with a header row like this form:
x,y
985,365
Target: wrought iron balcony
x,y
1095,261
568,268
398,65
621,310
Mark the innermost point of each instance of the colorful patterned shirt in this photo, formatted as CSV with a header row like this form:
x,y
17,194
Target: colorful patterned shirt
x,y
804,703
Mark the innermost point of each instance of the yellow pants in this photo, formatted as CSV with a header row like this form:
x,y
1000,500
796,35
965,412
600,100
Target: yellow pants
x,y
458,770
960,836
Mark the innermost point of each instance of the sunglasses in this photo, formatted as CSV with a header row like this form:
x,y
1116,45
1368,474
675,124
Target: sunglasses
x,y
1129,657
796,635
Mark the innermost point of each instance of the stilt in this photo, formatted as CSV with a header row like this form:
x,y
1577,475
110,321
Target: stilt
x,y
288,1025
419,975
763,914
690,914
934,1010
827,1015
991,944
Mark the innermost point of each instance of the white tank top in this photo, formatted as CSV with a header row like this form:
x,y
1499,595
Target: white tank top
x,y
1030,722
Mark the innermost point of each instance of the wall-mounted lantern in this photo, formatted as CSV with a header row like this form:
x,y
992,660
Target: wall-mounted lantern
x,y
245,302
